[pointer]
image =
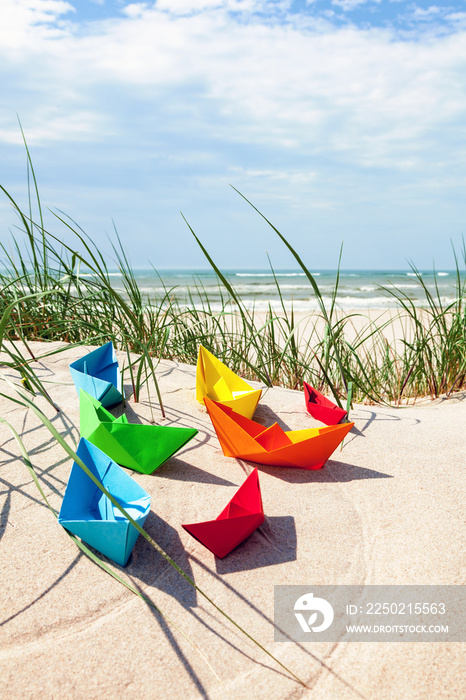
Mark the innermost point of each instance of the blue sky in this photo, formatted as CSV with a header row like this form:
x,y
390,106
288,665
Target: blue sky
x,y
341,120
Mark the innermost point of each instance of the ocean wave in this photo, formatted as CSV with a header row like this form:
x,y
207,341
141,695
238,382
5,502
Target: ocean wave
x,y
310,306
162,290
270,274
252,289
92,274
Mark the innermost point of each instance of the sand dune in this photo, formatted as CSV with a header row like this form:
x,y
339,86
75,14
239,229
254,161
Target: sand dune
x,y
386,509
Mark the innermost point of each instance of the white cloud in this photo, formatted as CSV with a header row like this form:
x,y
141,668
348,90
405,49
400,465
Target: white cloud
x,y
359,92
179,7
348,5
427,13
78,126
135,9
286,104
23,21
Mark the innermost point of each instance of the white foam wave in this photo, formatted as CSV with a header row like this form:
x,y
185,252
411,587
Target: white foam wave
x,y
270,274
268,288
162,290
92,274
310,306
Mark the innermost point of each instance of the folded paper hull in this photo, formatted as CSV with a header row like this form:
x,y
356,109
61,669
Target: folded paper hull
x,y
243,514
98,374
219,383
90,515
143,448
246,439
321,408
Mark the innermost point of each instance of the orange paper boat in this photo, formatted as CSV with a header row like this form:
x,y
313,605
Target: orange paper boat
x,y
243,514
246,439
321,408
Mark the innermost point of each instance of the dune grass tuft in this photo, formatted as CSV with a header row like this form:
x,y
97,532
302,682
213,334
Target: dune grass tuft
x,y
64,292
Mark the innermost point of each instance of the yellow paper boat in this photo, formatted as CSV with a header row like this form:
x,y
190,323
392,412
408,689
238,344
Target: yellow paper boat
x,y
216,381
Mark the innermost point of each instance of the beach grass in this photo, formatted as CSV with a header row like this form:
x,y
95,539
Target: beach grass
x,y
64,292
57,291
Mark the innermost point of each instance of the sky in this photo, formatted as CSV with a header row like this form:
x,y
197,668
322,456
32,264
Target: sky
x,y
340,120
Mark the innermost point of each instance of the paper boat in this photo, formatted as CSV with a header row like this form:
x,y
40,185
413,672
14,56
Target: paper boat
x,y
98,374
142,448
89,514
245,439
216,381
243,514
321,408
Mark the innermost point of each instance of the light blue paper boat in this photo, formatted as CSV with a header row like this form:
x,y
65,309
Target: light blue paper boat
x,y
89,514
98,374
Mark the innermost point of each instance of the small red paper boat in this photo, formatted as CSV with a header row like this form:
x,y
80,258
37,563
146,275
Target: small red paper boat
x,y
321,408
243,514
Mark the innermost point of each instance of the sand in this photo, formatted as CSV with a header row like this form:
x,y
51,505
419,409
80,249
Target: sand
x,y
386,509
373,327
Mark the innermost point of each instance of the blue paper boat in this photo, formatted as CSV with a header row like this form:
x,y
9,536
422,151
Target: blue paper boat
x,y
89,514
98,374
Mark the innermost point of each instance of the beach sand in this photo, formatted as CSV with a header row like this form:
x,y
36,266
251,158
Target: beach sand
x,y
386,509
392,324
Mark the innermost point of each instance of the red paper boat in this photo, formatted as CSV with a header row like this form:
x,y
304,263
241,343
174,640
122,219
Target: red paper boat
x,y
321,408
243,514
245,439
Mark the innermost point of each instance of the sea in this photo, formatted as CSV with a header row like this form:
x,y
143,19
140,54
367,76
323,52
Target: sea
x,y
261,289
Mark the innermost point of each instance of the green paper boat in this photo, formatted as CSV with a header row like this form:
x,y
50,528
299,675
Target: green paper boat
x,y
143,448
